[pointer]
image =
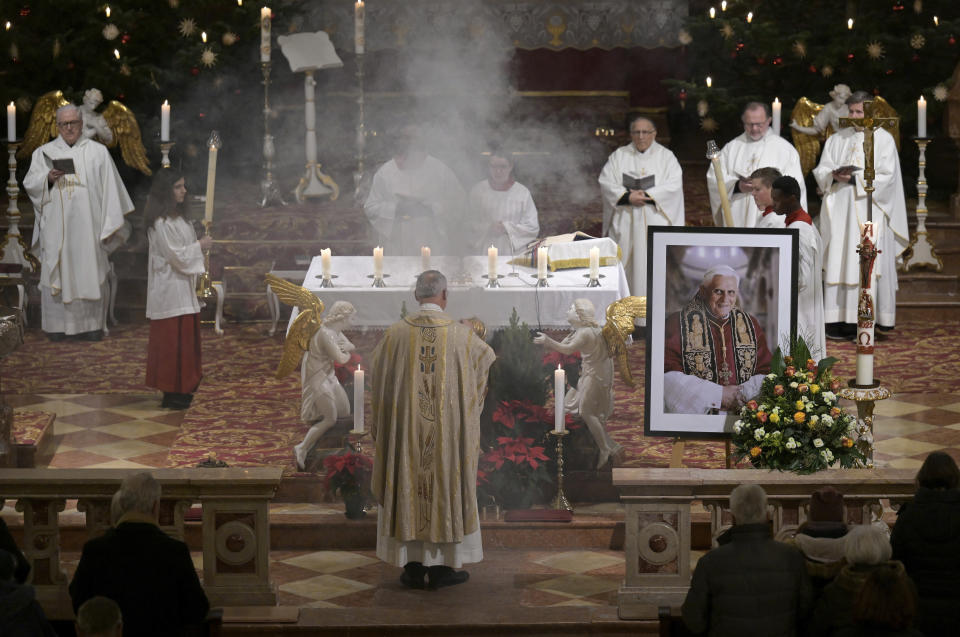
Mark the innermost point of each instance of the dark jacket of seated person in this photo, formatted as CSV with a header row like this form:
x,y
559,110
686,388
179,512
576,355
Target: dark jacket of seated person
x,y
148,573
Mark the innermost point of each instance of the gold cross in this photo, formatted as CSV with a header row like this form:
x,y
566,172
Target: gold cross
x,y
868,123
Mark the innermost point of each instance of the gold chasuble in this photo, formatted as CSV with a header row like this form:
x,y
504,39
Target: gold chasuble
x,y
429,381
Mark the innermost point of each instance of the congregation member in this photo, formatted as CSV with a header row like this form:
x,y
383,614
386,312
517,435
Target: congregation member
x,y
757,147
429,382
20,613
629,209
715,354
821,537
415,200
501,210
174,363
148,573
79,203
886,607
761,181
843,210
99,617
751,584
926,538
810,326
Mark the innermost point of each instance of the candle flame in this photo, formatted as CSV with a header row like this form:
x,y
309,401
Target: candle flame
x,y
723,5
8,25
850,23
116,53
239,3
166,103
709,81
359,4
713,13
750,17
203,36
559,366
936,21
107,11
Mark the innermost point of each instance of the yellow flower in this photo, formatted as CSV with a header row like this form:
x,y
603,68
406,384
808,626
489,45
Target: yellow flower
x,y
756,451
847,442
814,388
799,416
799,404
774,418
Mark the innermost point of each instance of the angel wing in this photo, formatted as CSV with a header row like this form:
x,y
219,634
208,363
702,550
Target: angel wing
x,y
807,145
304,326
881,108
619,325
43,123
126,133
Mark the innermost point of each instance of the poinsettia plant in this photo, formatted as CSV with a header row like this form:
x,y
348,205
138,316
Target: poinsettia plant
x,y
514,471
348,473
344,372
795,423
569,362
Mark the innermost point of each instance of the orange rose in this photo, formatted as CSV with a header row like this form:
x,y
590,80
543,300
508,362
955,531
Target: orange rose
x,y
756,451
811,365
834,412
802,388
788,360
778,390
790,370
799,416
752,405
847,442
762,416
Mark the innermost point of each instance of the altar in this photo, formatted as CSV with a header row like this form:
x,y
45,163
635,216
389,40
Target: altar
x,y
539,307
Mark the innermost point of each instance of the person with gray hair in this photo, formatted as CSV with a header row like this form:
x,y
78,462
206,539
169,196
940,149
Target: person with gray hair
x,y
79,203
99,617
751,584
149,574
866,549
715,354
323,398
592,398
429,379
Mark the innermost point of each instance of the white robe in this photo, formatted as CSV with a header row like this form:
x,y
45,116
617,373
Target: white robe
x,y
810,323
74,217
844,208
514,208
433,184
175,261
739,158
627,225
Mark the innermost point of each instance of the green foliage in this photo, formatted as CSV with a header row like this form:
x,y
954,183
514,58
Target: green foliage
x,y
518,373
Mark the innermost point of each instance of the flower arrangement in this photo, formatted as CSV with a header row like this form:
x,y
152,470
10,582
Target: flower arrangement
x,y
348,473
514,471
795,423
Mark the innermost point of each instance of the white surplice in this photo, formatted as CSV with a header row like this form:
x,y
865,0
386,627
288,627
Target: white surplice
x,y
627,225
810,321
175,260
739,158
513,207
431,183
844,209
74,216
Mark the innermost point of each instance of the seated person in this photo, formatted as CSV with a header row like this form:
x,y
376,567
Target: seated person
x,y
20,614
501,210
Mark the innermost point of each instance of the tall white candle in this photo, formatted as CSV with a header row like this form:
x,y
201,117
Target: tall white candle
x,y
921,117
492,263
165,121
594,263
424,258
211,181
265,34
11,122
378,262
358,401
776,116
559,388
359,39
541,263
325,262
866,335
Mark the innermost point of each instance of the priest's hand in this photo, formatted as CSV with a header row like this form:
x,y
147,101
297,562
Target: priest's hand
x,y
205,242
638,198
731,397
54,175
842,175
745,185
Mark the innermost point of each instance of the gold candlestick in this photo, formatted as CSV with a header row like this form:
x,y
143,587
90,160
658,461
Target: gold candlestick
x,y
205,290
560,501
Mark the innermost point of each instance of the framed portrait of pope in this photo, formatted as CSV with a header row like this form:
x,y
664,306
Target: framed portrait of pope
x,y
719,302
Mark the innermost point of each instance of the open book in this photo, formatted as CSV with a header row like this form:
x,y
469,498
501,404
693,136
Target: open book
x,y
639,183
65,165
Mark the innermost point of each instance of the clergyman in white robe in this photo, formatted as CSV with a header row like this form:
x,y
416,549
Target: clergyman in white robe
x,y
739,158
74,217
627,224
844,209
512,208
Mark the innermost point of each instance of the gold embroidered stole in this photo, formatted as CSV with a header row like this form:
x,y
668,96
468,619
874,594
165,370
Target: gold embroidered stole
x,y
698,345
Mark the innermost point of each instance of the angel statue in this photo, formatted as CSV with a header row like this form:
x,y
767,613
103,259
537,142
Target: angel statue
x,y
117,125
320,345
592,398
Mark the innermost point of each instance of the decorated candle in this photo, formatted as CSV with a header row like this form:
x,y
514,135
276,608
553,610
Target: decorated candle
x,y
378,262
424,258
358,401
559,388
541,263
265,34
358,34
11,122
921,117
211,181
594,263
776,116
865,328
325,262
165,121
492,262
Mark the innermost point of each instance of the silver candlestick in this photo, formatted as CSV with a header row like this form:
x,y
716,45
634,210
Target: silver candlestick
x,y
268,188
14,248
165,148
921,252
361,131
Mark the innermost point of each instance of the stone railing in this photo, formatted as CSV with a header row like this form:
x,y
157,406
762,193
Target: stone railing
x,y
658,502
235,525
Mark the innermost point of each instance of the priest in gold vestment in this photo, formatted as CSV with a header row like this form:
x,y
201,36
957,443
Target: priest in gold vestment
x,y
429,378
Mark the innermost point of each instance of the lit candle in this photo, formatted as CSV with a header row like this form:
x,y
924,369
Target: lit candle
x,y
165,121
709,81
776,115
921,117
594,263
203,36
559,388
358,37
492,263
378,262
425,258
541,263
265,34
116,53
325,262
211,180
723,5
749,17
936,21
11,122
358,401
107,11
713,13
850,24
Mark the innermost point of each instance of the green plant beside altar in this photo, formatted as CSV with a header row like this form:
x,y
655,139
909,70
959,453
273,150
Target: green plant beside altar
x,y
795,423
348,474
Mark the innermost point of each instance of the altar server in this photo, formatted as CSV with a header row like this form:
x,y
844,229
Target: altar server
x,y
502,210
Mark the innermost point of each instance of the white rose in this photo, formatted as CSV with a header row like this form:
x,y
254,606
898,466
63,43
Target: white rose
x,y
827,420
759,433
794,385
791,443
814,419
771,376
737,426
817,443
829,397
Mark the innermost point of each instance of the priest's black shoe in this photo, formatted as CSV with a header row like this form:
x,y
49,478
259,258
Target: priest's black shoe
x,y
442,576
413,575
56,337
95,335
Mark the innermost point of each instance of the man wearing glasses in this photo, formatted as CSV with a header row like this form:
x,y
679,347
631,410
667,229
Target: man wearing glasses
x,y
79,202
641,185
757,147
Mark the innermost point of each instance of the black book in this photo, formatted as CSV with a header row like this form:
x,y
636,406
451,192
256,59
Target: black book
x,y
639,183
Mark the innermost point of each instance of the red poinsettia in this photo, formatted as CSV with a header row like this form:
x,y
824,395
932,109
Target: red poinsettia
x,y
347,472
345,372
553,358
